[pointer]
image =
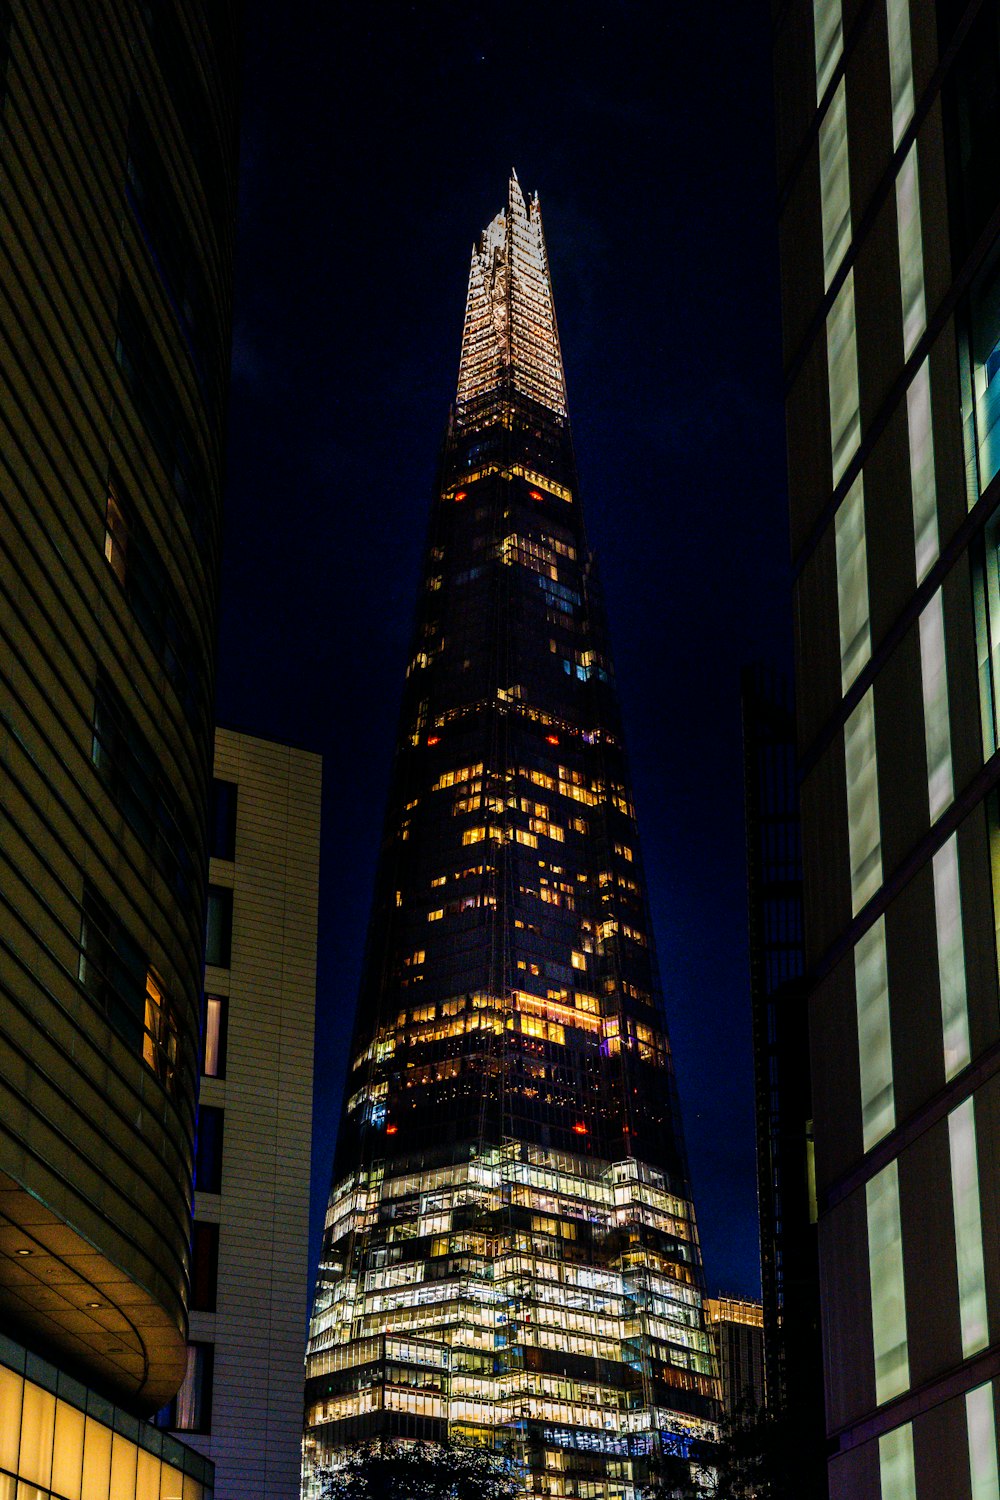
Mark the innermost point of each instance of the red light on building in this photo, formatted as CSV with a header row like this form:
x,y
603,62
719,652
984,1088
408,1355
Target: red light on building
x,y
553,739
391,1129
433,739
460,495
579,1128
535,494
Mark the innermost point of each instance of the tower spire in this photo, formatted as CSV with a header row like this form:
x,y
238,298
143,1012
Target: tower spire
x,y
510,342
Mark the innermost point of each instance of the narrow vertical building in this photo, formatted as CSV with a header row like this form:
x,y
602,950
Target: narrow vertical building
x,y
241,1400
510,1252
737,1328
117,208
786,1167
889,167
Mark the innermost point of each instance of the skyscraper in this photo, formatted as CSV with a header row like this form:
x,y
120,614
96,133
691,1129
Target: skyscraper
x,y
888,124
117,198
510,1250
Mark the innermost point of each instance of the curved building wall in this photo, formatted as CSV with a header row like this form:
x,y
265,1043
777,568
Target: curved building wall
x,y
117,191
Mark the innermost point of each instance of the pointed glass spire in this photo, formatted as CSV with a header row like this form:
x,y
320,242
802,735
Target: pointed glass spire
x,y
510,337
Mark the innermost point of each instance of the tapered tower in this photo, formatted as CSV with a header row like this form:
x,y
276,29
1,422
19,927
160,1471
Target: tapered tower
x,y
510,1250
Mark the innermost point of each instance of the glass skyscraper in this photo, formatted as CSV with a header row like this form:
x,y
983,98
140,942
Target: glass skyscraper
x,y
510,1252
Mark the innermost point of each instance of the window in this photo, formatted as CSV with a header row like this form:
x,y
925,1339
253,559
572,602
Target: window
x,y
885,1263
222,820
900,66
116,974
208,1149
981,1424
219,926
852,584
835,183
115,535
863,824
937,730
112,968
131,772
951,958
204,1266
149,383
191,1408
895,1462
968,1228
215,1029
136,562
878,1114
842,362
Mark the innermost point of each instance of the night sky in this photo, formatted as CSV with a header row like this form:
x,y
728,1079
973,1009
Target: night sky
x,y
377,142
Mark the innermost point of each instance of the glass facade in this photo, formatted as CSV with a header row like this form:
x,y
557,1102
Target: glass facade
x,y
510,1250
60,1441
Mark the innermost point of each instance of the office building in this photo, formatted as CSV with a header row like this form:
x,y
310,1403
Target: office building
x,y
737,1329
510,1252
241,1400
786,1168
117,197
889,179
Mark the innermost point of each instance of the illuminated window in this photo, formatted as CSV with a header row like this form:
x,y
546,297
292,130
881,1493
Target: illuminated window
x,y
885,1264
911,251
191,1408
115,536
937,732
835,184
852,584
874,1039
923,483
951,958
900,66
842,362
981,1423
828,34
968,1228
160,1037
213,1062
864,828
895,1462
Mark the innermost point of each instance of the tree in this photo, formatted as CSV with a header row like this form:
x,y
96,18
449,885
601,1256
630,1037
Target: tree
x,y
383,1470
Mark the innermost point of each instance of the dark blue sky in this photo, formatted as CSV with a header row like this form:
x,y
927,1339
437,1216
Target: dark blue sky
x,y
377,142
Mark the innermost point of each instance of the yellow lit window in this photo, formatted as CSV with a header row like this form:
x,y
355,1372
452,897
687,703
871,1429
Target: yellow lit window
x,y
115,536
435,916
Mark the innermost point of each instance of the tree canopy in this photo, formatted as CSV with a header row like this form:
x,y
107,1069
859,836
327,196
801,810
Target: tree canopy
x,y
383,1470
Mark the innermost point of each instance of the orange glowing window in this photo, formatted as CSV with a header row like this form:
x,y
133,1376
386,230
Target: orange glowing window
x,y
433,739
460,495
535,494
391,1129
553,739
579,1128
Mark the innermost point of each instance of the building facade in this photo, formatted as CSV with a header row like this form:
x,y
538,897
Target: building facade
x,y
510,1252
737,1329
889,168
241,1400
786,1166
117,204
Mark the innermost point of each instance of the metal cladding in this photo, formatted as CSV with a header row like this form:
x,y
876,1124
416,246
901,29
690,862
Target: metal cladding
x,y
510,1252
